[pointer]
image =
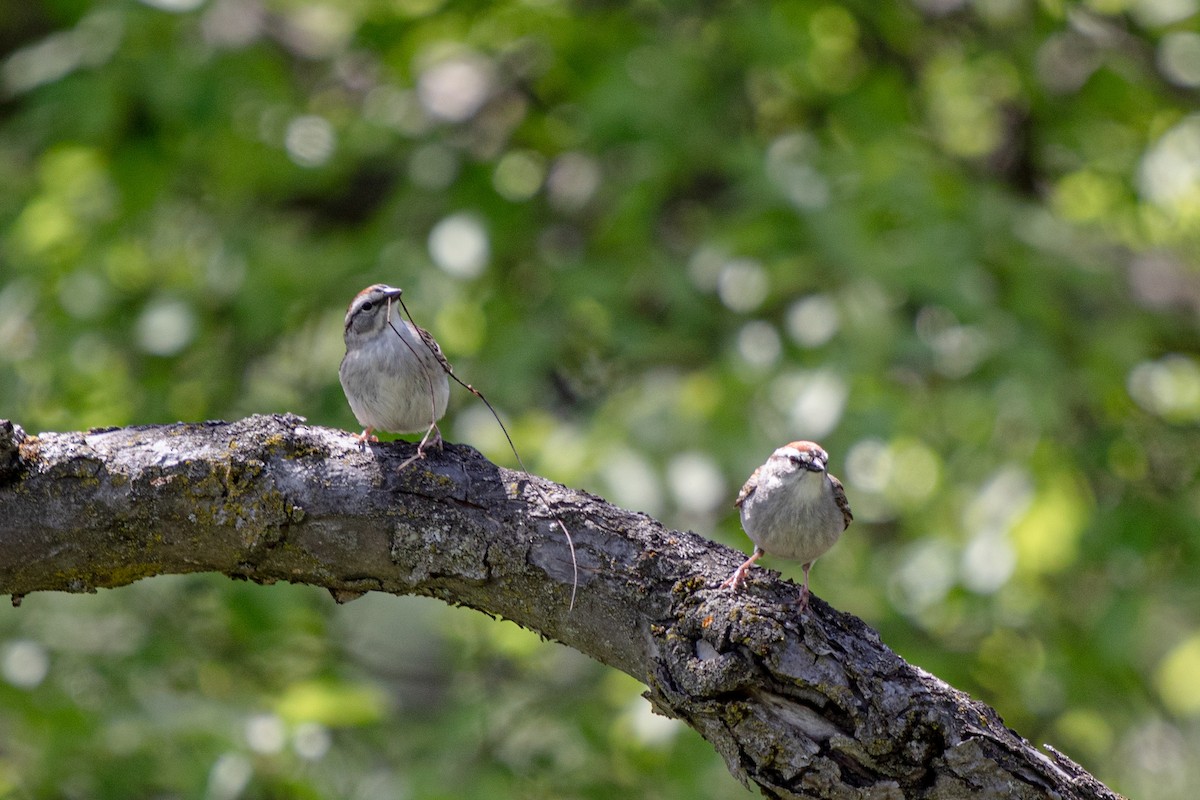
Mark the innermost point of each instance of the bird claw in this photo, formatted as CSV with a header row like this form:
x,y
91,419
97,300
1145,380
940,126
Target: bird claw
x,y
735,580
803,601
417,456
432,438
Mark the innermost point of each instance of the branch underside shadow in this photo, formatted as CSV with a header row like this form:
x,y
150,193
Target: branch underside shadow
x,y
818,707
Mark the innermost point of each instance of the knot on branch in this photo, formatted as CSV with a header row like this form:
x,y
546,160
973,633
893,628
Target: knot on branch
x,y
11,463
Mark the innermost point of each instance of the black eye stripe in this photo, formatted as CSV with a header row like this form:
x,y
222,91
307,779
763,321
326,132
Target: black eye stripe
x,y
367,306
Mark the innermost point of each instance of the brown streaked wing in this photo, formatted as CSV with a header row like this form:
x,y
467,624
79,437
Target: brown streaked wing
x,y
839,497
432,344
747,489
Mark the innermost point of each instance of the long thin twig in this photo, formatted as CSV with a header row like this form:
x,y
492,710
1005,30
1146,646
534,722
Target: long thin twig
x,y
445,365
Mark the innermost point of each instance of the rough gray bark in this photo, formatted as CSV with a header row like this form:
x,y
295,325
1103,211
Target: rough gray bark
x,y
812,708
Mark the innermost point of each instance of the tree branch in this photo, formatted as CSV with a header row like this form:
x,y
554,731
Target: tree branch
x,y
812,708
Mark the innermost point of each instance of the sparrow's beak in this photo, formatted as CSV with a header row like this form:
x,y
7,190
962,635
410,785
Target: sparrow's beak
x,y
391,292
815,464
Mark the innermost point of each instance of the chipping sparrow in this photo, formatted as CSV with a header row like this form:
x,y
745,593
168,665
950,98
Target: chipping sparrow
x,y
792,508
393,373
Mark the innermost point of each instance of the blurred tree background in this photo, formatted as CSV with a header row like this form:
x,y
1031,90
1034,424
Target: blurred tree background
x,y
956,241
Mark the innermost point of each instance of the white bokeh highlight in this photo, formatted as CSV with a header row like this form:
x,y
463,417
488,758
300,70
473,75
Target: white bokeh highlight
x,y
166,327
813,320
265,734
454,89
459,245
1179,58
229,776
924,577
309,140
176,6
812,401
573,180
758,344
24,663
1160,13
789,166
1168,387
632,481
869,465
742,285
696,483
1169,175
311,741
989,559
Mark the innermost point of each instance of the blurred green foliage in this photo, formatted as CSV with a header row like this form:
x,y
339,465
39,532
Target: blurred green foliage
x,y
956,241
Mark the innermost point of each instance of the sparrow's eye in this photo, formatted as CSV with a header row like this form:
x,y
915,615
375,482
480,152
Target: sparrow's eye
x,y
367,306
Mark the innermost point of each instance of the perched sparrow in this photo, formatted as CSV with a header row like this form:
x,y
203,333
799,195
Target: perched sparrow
x,y
792,508
393,373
